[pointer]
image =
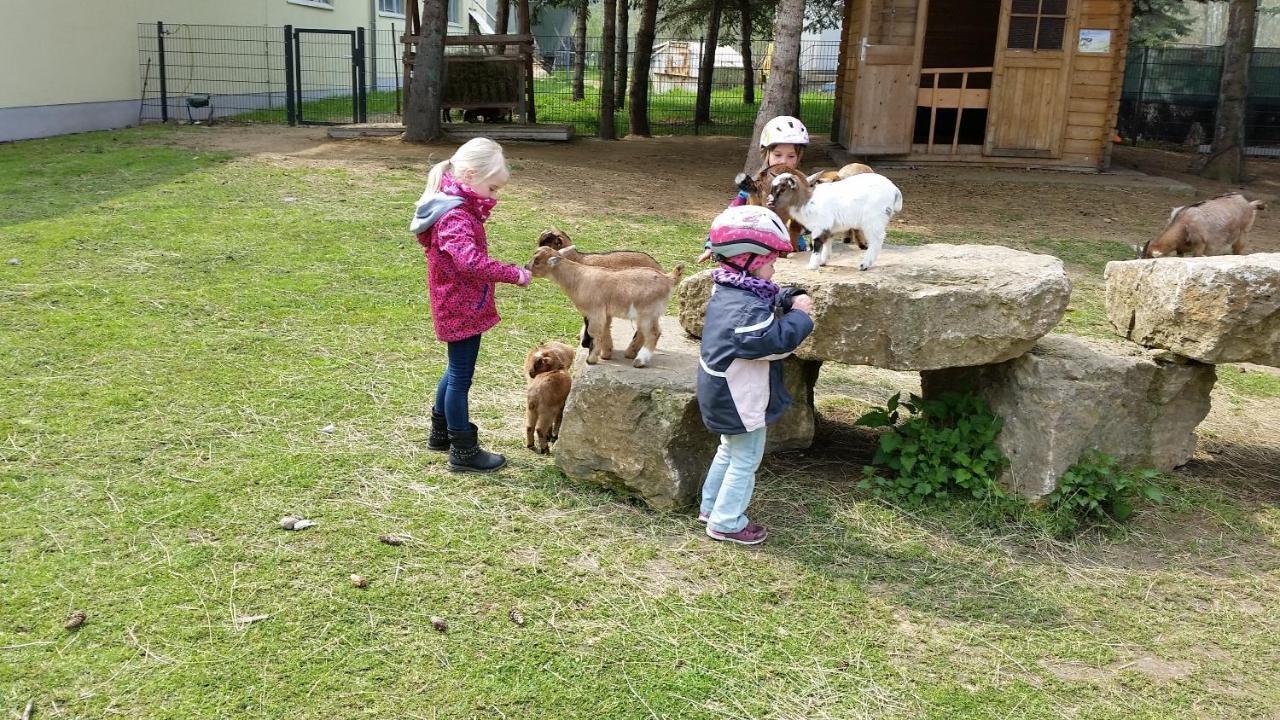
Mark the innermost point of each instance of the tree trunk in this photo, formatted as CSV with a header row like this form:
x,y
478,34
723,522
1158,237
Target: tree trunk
x,y
579,50
639,111
607,47
706,71
426,89
782,88
1226,155
620,69
504,9
748,68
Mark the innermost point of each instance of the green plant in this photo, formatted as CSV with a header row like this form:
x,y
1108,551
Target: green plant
x,y
1096,487
946,447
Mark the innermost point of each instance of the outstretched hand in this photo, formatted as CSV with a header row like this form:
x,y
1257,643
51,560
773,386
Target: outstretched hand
x,y
803,303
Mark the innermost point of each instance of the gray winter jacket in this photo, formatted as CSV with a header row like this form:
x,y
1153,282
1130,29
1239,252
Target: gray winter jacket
x,y
743,343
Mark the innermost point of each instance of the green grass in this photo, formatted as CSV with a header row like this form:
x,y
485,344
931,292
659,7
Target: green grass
x,y
670,113
181,326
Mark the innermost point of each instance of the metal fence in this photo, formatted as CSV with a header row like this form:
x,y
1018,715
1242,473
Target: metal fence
x,y
1171,95
268,74
293,74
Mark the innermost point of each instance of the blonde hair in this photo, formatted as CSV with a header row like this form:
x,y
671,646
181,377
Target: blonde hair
x,y
480,157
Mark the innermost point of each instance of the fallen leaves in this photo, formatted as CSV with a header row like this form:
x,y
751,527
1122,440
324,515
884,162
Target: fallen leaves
x,y
439,624
75,620
360,581
393,539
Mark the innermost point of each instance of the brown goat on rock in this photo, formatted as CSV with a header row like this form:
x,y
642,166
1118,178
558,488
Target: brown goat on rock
x,y
640,294
1210,227
557,239
549,384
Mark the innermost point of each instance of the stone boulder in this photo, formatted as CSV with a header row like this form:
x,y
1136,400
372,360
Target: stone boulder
x,y
639,431
918,308
1069,395
1212,309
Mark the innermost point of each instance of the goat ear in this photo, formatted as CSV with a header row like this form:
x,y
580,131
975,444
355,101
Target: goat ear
x,y
553,260
742,180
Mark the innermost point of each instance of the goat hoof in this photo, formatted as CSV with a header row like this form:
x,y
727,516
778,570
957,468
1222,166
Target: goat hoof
x,y
629,355
864,266
638,363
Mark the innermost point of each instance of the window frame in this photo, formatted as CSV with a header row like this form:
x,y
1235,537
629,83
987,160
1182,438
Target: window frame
x,y
1039,14
391,13
316,4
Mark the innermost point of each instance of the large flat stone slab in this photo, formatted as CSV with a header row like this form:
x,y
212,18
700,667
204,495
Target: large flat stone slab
x,y
1212,309
1069,395
919,308
639,431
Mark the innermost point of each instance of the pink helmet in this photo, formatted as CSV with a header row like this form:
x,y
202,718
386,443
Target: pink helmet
x,y
746,230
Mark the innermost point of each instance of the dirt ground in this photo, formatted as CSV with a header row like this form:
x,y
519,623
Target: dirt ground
x,y
692,177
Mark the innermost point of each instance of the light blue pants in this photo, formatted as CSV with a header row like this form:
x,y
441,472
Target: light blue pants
x,y
726,491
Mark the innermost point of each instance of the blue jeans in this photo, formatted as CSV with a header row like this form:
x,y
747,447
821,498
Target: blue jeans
x,y
451,392
726,491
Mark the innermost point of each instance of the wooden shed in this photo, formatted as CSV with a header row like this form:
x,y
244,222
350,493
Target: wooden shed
x,y
1024,82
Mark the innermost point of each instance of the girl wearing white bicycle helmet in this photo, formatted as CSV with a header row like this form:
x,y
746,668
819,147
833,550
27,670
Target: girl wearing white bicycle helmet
x,y
782,142
751,325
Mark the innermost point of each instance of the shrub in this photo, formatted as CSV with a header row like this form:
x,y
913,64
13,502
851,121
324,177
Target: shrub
x,y
947,446
1096,488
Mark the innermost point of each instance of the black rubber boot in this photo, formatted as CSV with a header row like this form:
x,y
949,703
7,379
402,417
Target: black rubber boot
x,y
466,455
438,440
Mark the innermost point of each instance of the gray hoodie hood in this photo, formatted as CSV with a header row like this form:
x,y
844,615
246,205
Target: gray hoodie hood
x,y
429,209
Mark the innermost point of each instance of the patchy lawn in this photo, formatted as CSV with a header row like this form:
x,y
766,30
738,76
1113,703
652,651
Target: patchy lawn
x,y
191,307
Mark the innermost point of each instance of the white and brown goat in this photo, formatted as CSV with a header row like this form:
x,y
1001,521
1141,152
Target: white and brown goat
x,y
640,294
1210,227
547,366
866,202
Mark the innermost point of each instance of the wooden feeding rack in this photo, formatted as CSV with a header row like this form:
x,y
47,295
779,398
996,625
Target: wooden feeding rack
x,y
500,76
934,96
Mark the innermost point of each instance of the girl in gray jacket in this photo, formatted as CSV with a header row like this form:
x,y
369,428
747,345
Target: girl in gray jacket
x,y
746,335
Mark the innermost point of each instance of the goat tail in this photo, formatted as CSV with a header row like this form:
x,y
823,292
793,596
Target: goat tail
x,y
676,273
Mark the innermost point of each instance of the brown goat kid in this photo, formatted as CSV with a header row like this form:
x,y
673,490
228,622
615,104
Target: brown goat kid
x,y
640,294
555,238
1211,227
549,384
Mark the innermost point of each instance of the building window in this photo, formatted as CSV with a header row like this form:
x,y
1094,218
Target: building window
x,y
453,11
391,7
1037,24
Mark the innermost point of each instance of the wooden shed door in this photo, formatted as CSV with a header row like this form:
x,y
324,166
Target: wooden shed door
x,y
887,54
1030,82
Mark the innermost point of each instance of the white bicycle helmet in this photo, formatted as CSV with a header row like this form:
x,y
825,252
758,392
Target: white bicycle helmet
x,y
784,129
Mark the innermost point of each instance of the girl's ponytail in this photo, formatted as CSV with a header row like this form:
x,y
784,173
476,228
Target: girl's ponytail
x,y
436,175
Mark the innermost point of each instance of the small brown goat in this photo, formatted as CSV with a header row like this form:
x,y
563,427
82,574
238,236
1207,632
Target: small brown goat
x,y
757,189
1210,227
549,384
555,238
640,294
548,356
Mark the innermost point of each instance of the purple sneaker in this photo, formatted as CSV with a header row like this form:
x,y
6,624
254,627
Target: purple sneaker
x,y
752,534
703,517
